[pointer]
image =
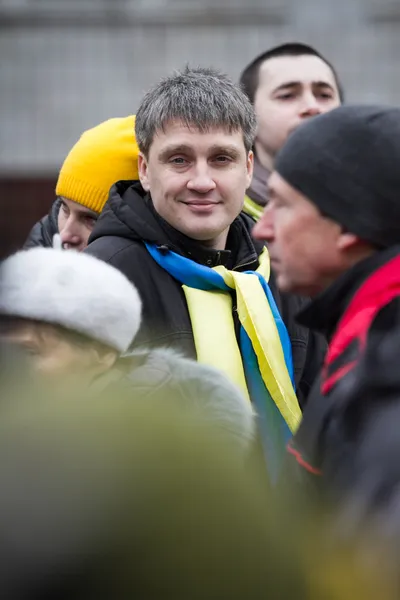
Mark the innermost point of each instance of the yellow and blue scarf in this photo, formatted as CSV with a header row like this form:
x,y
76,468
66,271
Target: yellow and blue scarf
x,y
261,364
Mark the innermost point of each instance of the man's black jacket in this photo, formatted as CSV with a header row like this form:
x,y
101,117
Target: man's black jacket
x,y
129,219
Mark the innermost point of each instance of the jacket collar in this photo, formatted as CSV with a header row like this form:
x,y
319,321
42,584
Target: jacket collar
x,y
240,249
188,247
325,311
130,213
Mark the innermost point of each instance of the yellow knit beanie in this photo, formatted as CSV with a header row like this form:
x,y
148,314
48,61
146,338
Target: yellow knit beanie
x,y
102,156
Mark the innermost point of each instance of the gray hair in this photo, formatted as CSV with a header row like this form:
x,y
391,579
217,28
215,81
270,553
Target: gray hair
x,y
203,98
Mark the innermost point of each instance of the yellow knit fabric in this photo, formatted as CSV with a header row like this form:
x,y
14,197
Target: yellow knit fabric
x,y
102,156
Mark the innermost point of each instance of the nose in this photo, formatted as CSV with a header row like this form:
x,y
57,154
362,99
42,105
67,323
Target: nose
x,y
70,237
201,180
264,229
310,106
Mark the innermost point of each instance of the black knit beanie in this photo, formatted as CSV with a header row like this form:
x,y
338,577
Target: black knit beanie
x,y
347,162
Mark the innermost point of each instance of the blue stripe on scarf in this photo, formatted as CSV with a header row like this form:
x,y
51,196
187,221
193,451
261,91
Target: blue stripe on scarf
x,y
280,325
274,431
187,271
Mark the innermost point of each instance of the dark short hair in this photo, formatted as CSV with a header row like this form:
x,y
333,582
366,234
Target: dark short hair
x,y
249,79
199,97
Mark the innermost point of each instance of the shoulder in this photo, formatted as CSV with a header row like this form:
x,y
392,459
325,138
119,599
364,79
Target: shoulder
x,y
133,260
198,377
209,390
203,390
387,320
383,345
118,251
159,291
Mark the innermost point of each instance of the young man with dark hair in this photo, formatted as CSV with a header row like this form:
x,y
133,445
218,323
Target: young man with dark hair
x,y
286,85
179,235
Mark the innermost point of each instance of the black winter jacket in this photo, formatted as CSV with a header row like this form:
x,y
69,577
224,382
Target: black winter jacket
x,y
129,219
348,442
43,231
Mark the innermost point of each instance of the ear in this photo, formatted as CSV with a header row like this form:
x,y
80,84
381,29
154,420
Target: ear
x,y
104,360
250,167
347,240
143,171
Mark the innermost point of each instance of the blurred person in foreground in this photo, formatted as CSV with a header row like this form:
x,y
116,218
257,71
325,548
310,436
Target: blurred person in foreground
x,y
179,235
119,500
76,318
332,226
102,155
115,500
287,85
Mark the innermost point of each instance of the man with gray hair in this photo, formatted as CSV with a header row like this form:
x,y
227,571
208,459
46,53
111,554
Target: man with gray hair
x,y
179,235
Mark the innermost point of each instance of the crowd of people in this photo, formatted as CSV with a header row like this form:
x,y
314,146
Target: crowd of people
x,y
207,323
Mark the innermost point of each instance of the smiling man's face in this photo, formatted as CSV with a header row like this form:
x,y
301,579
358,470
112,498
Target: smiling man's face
x,y
197,180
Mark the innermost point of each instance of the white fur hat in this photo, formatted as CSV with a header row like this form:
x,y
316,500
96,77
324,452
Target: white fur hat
x,y
74,290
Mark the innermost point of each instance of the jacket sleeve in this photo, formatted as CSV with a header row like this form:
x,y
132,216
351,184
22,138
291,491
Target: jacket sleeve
x,y
366,468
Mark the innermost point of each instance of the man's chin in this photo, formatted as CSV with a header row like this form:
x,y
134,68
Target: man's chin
x,y
288,286
283,282
203,231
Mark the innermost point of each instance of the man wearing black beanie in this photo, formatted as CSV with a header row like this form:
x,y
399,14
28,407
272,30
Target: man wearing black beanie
x,y
333,231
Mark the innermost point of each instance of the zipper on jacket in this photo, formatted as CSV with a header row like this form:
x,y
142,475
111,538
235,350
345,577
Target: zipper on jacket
x,y
163,248
246,264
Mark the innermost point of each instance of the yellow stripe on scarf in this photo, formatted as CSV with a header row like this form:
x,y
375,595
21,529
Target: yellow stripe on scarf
x,y
216,342
214,336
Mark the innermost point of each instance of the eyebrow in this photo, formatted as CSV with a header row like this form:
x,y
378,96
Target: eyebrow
x,y
225,149
174,149
86,213
185,149
291,84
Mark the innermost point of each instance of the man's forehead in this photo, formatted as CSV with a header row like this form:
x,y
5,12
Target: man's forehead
x,y
278,186
180,133
281,70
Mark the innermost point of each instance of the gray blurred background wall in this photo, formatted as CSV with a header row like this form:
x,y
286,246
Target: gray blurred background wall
x,y
66,65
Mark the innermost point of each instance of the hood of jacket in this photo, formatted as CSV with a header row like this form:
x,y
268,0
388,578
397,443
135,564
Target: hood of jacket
x,y
129,213
44,230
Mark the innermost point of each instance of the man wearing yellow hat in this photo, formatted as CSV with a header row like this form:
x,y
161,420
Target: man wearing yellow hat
x,y
103,155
